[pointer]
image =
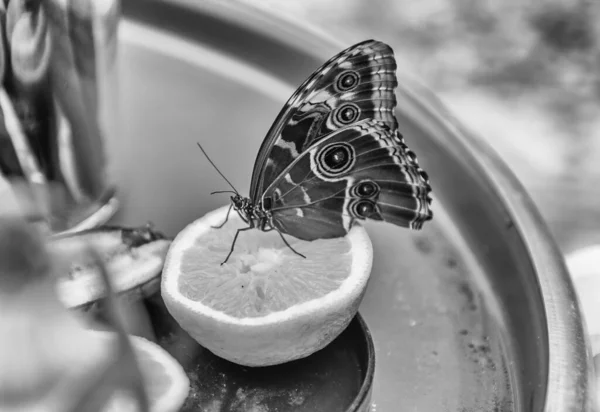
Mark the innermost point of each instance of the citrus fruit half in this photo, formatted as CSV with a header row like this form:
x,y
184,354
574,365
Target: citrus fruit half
x,y
134,258
266,305
165,381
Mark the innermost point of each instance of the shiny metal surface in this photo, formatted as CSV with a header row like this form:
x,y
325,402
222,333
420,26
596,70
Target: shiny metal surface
x,y
476,312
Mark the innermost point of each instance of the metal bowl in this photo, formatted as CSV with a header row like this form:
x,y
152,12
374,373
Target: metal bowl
x,y
475,312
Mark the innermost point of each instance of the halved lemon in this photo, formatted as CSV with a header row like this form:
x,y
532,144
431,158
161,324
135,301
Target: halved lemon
x,y
45,368
166,383
134,259
266,305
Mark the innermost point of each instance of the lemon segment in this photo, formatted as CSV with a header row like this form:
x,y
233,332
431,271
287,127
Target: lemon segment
x,y
266,305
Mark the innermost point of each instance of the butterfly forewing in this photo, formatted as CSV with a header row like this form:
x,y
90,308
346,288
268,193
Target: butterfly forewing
x,y
358,83
361,171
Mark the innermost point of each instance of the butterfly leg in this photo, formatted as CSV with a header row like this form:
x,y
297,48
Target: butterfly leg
x,y
226,218
288,245
233,243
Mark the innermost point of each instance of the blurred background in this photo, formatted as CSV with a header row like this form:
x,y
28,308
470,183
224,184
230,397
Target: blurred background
x,y
522,75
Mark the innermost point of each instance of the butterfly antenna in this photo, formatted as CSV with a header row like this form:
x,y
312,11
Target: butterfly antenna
x,y
217,169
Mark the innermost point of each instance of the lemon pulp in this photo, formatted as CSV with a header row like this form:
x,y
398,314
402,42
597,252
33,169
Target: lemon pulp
x,y
262,275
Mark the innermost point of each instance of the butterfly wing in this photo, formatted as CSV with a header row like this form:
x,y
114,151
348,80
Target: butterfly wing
x,y
361,171
356,84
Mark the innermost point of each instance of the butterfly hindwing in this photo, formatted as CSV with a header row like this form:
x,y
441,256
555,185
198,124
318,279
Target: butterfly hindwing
x,y
361,171
358,83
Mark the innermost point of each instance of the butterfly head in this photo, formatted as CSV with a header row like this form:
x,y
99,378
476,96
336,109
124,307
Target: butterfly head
x,y
252,213
244,207
239,202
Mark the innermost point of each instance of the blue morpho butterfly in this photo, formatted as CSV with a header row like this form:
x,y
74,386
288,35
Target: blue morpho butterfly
x,y
334,155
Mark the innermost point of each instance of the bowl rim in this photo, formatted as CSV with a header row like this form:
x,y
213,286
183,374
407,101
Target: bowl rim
x,y
363,396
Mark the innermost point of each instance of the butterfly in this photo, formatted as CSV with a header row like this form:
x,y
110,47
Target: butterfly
x,y
334,155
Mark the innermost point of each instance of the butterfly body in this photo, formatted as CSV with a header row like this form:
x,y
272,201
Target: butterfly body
x,y
254,215
334,155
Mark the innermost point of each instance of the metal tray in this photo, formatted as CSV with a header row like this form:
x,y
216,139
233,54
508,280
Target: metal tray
x,y
474,313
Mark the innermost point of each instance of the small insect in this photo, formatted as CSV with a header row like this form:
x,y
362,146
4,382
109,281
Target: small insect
x,y
334,155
